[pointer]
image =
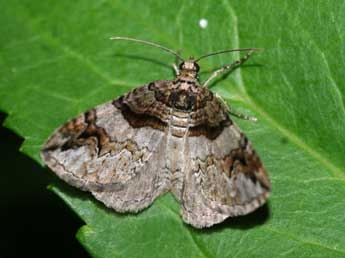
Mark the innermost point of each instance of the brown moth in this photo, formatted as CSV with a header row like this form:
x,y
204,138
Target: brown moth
x,y
168,135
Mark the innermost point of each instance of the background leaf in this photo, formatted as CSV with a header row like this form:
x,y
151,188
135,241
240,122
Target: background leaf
x,y
56,61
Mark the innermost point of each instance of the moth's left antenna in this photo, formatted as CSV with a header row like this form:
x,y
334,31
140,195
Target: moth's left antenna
x,y
150,44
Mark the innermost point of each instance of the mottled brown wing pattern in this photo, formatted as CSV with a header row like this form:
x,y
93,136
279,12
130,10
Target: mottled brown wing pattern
x,y
108,152
225,179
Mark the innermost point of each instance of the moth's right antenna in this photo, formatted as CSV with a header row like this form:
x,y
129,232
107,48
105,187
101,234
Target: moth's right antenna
x,y
150,44
228,50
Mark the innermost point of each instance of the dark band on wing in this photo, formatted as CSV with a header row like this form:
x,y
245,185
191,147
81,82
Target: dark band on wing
x,y
138,120
77,132
244,160
67,131
211,132
91,131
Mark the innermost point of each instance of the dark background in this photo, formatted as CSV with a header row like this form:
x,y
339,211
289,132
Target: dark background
x,y
34,221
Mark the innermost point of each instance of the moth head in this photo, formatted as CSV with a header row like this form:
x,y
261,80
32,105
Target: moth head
x,y
189,68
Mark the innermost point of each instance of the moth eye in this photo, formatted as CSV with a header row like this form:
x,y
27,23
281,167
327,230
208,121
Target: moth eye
x,y
197,67
181,66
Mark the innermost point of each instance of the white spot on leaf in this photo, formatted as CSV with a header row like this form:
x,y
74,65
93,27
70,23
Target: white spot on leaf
x,y
203,23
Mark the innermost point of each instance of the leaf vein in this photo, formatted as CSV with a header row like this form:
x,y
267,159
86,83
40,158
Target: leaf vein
x,y
291,136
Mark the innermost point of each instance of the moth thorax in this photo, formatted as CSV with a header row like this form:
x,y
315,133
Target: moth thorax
x,y
182,100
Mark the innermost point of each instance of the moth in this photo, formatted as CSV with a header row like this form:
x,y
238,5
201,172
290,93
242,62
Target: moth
x,y
168,135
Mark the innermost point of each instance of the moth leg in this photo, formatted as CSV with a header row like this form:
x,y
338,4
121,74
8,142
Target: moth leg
x,y
234,112
242,116
177,71
228,68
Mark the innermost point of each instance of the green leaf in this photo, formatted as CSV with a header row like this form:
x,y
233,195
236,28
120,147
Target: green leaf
x,y
56,61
